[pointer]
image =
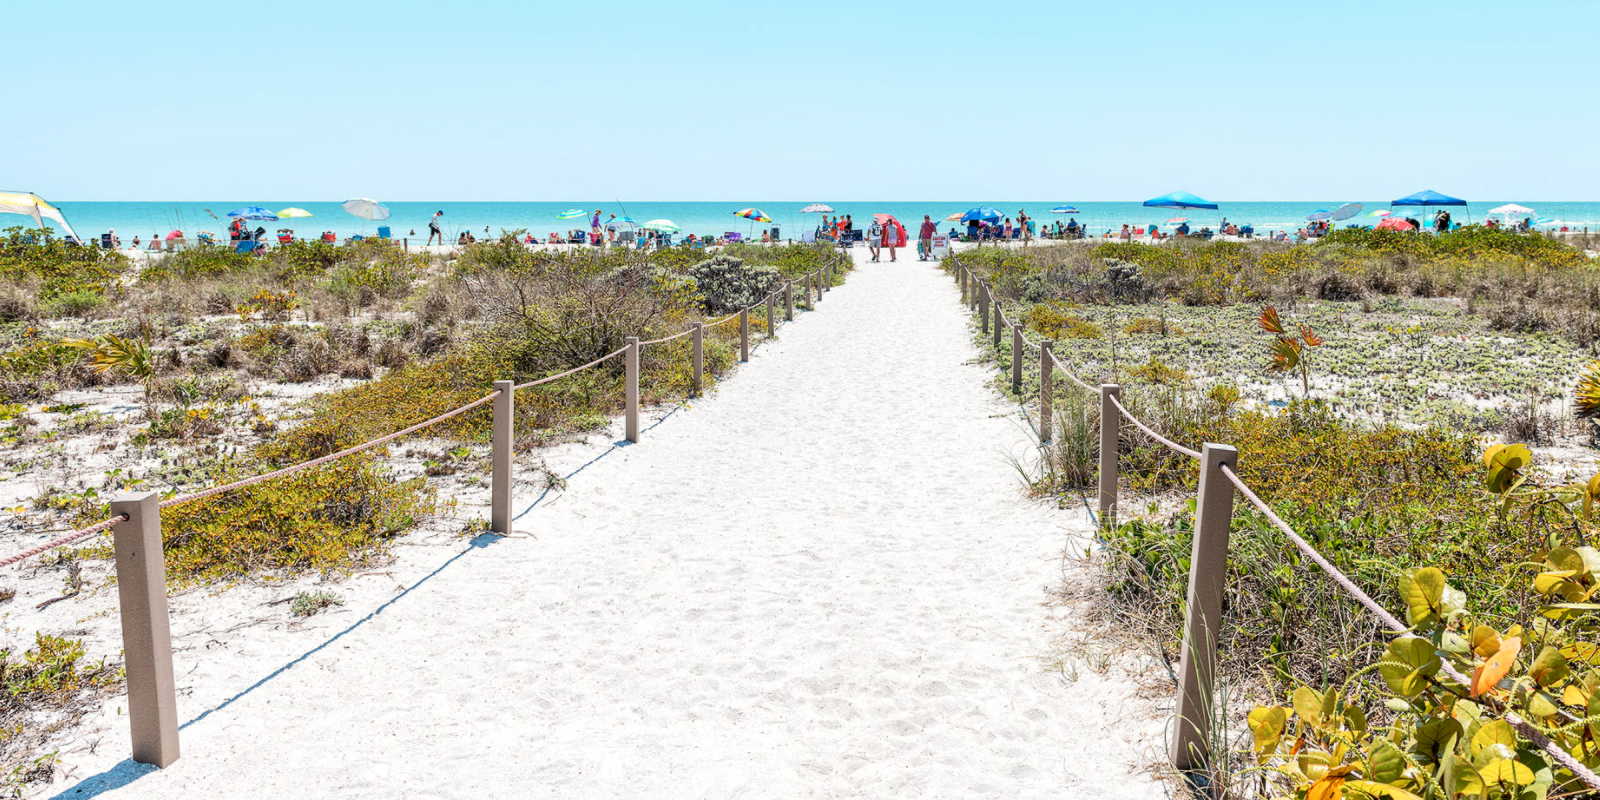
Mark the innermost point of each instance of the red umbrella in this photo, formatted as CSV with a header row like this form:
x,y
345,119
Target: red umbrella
x,y
174,235
1395,224
889,223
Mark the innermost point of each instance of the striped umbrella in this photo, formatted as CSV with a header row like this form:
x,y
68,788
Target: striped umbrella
x,y
817,208
572,213
662,226
755,214
365,208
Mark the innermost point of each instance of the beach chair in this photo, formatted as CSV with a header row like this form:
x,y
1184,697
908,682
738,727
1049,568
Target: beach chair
x,y
732,236
244,246
383,232
329,237
285,237
105,241
554,239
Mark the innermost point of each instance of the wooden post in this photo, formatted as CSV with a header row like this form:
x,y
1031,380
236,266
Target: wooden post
x,y
1046,387
772,317
961,278
744,334
500,476
1110,430
788,301
630,361
1017,349
699,354
983,307
999,324
1208,570
406,242
146,630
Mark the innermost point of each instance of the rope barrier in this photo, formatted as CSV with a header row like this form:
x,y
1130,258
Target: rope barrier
x,y
666,338
1195,454
613,354
65,540
215,490
1070,376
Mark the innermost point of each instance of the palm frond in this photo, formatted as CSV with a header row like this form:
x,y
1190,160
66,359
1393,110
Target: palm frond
x,y
1586,394
1269,320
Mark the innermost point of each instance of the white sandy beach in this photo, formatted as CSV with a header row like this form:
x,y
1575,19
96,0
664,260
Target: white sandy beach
x,y
822,581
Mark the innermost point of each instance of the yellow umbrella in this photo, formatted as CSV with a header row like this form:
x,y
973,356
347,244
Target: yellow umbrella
x,y
293,212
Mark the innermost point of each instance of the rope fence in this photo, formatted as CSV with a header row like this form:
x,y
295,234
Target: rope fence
x,y
1189,746
136,517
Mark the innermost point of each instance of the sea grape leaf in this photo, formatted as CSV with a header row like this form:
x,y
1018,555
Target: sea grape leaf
x,y
1407,664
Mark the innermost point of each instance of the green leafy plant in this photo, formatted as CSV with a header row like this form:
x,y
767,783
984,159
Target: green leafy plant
x,y
132,357
1287,353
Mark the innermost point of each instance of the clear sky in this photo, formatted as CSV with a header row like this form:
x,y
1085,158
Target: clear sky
x,y
795,100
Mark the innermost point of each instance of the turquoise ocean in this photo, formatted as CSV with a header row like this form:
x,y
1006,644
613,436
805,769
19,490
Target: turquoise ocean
x,y
410,219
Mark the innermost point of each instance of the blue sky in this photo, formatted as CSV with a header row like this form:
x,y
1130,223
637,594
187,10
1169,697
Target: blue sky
x,y
721,101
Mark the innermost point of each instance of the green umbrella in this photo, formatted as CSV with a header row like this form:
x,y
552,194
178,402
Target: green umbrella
x,y
572,213
293,212
662,226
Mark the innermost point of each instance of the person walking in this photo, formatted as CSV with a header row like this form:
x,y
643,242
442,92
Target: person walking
x,y
1022,224
925,238
891,239
611,229
875,238
433,227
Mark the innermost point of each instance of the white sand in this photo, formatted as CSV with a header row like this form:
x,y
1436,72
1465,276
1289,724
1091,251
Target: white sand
x,y
823,581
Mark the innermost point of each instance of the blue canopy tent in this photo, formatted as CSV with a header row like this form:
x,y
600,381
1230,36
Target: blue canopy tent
x,y
1429,198
1182,200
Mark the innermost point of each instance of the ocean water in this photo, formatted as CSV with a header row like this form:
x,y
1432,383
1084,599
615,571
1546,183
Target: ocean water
x,y
411,218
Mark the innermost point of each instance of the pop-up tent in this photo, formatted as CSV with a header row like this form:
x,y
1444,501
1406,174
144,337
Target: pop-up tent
x,y
1429,198
33,206
1179,200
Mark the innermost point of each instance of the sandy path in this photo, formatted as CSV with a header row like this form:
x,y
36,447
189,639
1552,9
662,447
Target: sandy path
x,y
821,582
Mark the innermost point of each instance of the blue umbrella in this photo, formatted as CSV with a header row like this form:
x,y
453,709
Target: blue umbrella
x,y
253,212
1319,215
1179,200
1065,210
981,213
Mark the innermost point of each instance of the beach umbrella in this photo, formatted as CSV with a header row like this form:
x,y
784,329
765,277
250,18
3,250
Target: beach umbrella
x,y
1319,215
1394,224
1065,210
753,214
174,235
365,208
817,208
662,226
956,217
572,213
1346,211
1510,210
253,212
293,213
1380,213
32,205
1177,220
981,214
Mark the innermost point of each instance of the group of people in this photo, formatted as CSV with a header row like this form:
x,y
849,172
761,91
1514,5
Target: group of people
x,y
979,230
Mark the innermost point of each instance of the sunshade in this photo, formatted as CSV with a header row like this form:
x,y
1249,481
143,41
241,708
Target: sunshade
x,y
885,219
1346,211
1394,224
754,214
366,208
1179,200
1176,220
981,213
817,208
1065,210
34,206
174,235
1428,197
253,212
292,212
662,226
1380,213
1510,210
956,217
572,213
1319,215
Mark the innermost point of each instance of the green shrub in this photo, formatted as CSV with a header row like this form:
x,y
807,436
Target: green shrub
x,y
59,266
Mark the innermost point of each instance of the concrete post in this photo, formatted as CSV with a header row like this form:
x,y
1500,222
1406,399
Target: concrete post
x,y
772,317
788,301
146,630
1208,564
500,477
1110,430
630,361
699,354
1017,349
983,307
1046,388
744,334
